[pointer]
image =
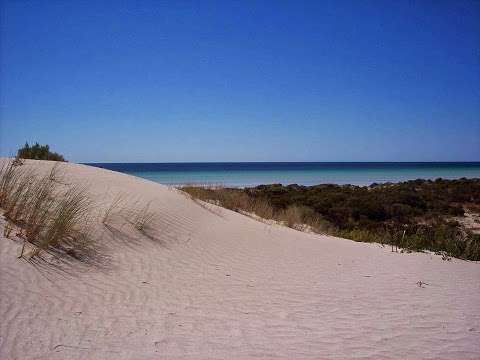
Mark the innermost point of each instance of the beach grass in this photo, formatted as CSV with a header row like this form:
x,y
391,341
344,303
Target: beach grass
x,y
51,216
143,218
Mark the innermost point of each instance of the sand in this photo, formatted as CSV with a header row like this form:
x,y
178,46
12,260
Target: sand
x,y
209,283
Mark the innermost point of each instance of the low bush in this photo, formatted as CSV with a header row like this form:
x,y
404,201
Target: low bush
x,y
38,152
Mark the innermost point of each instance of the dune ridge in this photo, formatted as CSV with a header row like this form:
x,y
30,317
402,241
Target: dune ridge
x,y
209,283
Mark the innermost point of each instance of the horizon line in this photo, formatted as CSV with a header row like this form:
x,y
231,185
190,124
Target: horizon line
x,y
281,162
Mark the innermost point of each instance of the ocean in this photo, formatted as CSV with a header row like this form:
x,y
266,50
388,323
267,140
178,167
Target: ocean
x,y
242,174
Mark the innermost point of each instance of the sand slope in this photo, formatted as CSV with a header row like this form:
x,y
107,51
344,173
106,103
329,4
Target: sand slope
x,y
214,284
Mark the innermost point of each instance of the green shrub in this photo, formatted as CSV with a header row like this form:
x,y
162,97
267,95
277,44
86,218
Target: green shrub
x,y
38,152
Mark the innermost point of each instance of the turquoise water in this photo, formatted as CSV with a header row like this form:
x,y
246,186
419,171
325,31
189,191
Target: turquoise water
x,y
251,174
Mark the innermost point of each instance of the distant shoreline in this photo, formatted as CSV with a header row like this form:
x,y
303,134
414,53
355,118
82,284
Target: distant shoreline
x,y
247,174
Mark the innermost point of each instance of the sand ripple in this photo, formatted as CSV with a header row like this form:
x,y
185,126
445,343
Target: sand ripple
x,y
219,285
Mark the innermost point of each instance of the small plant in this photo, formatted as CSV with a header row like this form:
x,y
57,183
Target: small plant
x,y
143,218
293,215
67,220
114,207
17,161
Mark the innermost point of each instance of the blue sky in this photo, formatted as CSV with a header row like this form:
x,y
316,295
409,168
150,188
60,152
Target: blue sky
x,y
127,81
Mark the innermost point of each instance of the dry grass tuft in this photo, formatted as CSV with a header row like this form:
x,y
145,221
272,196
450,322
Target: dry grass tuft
x,y
67,225
299,217
57,218
233,199
116,207
262,208
9,177
143,218
295,216
51,216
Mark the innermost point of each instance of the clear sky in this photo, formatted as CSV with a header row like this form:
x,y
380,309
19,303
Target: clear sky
x,y
127,81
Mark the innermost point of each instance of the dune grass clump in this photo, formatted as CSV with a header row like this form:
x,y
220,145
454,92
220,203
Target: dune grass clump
x,y
302,218
15,203
293,215
232,199
122,211
52,217
66,228
9,177
115,207
41,201
143,218
57,218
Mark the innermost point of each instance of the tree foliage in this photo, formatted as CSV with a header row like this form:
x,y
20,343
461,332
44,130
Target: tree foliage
x,y
38,152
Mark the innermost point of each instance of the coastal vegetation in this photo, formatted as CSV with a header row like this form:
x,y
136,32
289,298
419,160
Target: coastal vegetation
x,y
55,217
49,215
413,216
38,152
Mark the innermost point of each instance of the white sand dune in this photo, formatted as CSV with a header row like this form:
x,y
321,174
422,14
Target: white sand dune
x,y
214,284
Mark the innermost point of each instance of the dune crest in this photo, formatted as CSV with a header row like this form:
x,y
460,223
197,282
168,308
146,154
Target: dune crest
x,y
209,283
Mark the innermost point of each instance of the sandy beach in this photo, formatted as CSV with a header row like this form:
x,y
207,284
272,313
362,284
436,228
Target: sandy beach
x,y
209,283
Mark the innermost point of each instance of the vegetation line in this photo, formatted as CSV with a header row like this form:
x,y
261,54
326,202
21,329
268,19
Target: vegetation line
x,y
414,215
